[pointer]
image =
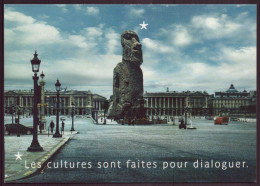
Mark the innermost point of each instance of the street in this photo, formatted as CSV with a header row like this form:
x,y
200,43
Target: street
x,y
153,153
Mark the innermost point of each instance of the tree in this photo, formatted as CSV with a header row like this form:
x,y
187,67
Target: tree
x,y
105,107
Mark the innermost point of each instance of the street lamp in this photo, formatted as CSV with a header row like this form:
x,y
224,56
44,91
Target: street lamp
x,y
245,112
173,116
186,110
18,122
57,133
12,114
72,116
35,146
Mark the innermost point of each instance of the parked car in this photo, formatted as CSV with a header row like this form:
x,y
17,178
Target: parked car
x,y
221,121
13,128
63,118
234,119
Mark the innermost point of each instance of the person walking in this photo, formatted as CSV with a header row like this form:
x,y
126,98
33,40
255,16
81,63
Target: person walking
x,y
63,126
52,126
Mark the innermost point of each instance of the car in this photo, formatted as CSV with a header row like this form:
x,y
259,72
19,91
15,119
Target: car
x,y
221,121
13,128
234,119
62,118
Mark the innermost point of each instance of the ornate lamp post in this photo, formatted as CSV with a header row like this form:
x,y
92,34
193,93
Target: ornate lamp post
x,y
57,133
222,109
186,110
35,146
42,104
12,114
245,112
173,116
72,116
18,121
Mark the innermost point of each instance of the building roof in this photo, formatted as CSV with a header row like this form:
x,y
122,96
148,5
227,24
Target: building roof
x,y
97,97
48,92
174,93
232,89
77,92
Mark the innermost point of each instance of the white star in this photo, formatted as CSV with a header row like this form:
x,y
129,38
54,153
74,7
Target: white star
x,y
143,25
18,156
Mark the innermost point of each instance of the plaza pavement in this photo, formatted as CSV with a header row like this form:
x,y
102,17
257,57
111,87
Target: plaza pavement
x,y
16,168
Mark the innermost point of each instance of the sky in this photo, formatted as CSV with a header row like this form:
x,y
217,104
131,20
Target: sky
x,y
185,47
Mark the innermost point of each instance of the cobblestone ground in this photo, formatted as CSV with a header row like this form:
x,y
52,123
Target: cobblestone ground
x,y
155,152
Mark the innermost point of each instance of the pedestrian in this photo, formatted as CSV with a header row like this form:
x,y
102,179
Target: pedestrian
x,y
41,127
134,120
101,120
63,126
52,126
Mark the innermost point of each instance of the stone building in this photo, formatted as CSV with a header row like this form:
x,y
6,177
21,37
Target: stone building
x,y
231,101
172,103
97,105
85,102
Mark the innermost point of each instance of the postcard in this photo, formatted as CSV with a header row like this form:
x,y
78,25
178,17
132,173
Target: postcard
x,y
130,93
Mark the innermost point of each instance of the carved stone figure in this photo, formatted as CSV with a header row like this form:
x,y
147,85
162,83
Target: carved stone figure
x,y
128,79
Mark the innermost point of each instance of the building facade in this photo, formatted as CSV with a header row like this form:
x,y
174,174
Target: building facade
x,y
172,103
84,101
162,104
232,101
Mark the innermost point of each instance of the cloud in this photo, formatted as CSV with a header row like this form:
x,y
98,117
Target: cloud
x,y
241,5
216,26
181,36
78,41
63,7
93,33
28,34
239,68
25,30
77,6
136,12
92,11
43,17
18,17
89,72
156,46
64,52
112,41
86,58
168,5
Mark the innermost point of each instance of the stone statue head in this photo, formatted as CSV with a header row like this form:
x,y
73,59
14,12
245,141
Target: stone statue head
x,y
132,49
